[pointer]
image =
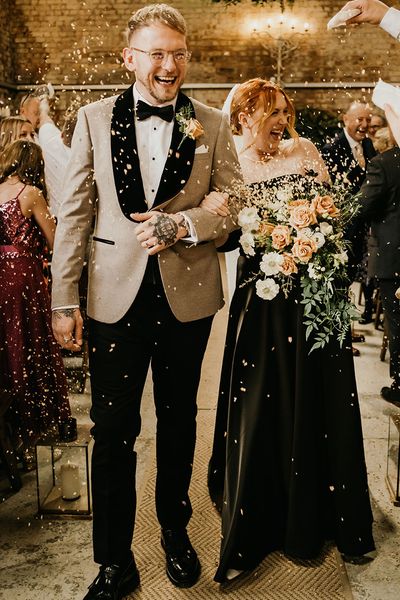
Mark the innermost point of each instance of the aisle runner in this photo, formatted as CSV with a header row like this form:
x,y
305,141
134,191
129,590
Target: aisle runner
x,y
277,578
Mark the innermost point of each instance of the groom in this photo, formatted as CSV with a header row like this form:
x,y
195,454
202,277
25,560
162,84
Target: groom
x,y
141,164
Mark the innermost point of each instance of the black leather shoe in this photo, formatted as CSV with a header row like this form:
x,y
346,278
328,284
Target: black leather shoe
x,y
357,337
391,394
183,566
114,582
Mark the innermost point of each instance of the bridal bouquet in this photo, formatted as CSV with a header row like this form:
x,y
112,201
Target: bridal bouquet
x,y
297,232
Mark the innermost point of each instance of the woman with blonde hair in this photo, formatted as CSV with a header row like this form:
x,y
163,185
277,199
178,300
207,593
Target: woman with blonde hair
x,y
34,365
287,469
15,128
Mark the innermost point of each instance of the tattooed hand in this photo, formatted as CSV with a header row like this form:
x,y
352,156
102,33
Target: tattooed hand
x,y
158,230
68,328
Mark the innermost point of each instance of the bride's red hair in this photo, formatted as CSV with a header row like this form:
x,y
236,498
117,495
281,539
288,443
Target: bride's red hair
x,y
255,93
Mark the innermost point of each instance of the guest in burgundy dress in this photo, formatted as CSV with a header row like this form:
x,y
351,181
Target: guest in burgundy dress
x,y
34,365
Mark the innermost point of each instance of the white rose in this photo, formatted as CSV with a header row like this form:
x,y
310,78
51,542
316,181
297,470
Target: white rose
x,y
249,218
271,263
319,239
267,289
325,228
305,233
247,242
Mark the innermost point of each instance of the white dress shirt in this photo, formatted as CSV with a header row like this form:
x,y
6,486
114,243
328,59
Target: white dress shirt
x,y
391,22
56,155
353,144
153,140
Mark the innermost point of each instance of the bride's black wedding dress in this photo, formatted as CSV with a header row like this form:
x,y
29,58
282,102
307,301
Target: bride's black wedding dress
x,y
287,469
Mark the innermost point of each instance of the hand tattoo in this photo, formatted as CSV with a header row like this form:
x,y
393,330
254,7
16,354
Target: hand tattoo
x,y
64,312
165,230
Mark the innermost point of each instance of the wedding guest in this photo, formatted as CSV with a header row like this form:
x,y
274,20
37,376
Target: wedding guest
x,y
15,128
29,108
346,157
380,203
384,140
376,13
153,148
287,468
56,148
35,370
378,121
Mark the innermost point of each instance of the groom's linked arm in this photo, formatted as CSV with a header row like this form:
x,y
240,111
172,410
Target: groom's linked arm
x,y
226,174
374,192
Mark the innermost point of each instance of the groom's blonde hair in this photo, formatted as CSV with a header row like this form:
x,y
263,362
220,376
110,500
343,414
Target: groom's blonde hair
x,y
156,13
255,93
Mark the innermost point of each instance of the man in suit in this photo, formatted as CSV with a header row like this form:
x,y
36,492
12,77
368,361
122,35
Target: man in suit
x,y
148,156
380,203
346,157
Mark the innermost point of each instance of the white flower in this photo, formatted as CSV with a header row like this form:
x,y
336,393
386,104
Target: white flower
x,y
325,228
319,239
341,259
305,233
312,272
284,195
271,263
267,289
249,219
247,242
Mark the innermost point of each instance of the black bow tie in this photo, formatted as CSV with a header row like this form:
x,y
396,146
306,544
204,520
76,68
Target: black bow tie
x,y
144,111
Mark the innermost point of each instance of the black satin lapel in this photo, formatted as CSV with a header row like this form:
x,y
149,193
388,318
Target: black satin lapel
x,y
179,163
125,158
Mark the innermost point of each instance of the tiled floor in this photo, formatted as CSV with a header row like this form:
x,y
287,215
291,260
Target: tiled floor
x,y
44,559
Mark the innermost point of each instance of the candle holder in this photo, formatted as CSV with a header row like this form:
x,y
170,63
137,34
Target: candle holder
x,y
393,459
63,476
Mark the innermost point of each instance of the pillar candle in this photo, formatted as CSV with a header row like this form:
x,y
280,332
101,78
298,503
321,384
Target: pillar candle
x,y
70,483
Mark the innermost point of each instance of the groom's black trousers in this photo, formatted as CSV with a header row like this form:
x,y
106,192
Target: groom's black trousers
x,y
120,355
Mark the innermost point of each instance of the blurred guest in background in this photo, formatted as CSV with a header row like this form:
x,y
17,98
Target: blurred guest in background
x,y
15,128
380,198
35,371
29,108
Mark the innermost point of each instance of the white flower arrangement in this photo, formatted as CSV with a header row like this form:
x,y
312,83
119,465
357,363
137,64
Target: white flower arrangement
x,y
297,233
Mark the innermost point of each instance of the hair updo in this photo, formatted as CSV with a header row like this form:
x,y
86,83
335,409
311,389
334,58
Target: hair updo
x,y
257,93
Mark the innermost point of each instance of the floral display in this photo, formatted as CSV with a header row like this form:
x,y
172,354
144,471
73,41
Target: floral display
x,y
298,235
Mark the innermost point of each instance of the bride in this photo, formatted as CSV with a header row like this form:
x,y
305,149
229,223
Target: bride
x,y
287,469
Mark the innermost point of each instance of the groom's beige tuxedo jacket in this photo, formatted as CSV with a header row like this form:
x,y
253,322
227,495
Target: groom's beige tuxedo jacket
x,y
103,182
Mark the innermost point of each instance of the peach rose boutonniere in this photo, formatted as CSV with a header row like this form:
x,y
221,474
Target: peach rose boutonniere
x,y
294,234
188,125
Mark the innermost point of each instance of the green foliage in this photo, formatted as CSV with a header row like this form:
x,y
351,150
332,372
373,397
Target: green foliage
x,y
316,125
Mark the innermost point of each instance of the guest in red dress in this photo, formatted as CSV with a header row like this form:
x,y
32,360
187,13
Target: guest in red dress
x,y
34,365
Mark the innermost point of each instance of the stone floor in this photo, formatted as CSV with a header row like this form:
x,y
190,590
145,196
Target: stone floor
x,y
42,559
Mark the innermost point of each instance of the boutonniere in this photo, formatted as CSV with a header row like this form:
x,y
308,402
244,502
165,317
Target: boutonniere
x,y
188,125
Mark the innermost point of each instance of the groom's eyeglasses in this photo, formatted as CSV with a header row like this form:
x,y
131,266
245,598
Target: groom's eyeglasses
x,y
158,57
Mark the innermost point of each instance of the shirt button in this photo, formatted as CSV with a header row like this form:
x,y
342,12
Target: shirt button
x,y
153,158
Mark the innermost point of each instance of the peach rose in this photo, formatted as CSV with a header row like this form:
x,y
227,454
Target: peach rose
x,y
265,228
303,249
301,215
193,129
324,205
280,237
288,266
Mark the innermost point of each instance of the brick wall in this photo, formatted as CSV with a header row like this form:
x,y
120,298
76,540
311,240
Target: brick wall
x,y
78,42
6,52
